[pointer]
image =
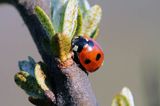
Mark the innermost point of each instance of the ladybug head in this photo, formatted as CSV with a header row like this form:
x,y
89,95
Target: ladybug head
x,y
78,43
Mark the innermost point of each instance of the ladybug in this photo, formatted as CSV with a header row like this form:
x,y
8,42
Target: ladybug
x,y
88,52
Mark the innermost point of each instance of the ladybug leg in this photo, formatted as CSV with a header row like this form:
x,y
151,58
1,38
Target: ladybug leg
x,y
83,69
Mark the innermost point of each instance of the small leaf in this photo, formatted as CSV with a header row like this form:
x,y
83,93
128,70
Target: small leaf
x,y
42,81
70,18
95,33
120,100
84,5
58,9
31,60
128,94
91,20
65,46
79,23
61,45
124,98
29,84
40,77
45,21
74,30
27,66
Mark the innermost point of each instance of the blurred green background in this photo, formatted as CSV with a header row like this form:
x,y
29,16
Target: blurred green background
x,y
129,36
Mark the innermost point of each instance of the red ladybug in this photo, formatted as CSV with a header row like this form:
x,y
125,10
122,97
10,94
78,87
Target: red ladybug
x,y
89,53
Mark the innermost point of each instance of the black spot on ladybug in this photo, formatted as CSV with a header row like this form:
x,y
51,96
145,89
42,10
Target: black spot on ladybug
x,y
90,43
98,56
87,61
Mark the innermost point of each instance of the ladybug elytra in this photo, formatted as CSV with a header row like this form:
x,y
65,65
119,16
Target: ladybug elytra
x,y
89,53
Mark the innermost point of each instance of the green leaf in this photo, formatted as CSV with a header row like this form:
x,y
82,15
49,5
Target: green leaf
x,y
70,18
95,33
84,5
128,94
124,98
27,66
91,20
43,82
61,45
79,23
45,21
74,30
120,100
29,84
41,76
57,14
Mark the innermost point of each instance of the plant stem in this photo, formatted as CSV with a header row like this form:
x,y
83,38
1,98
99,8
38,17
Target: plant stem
x,y
71,85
